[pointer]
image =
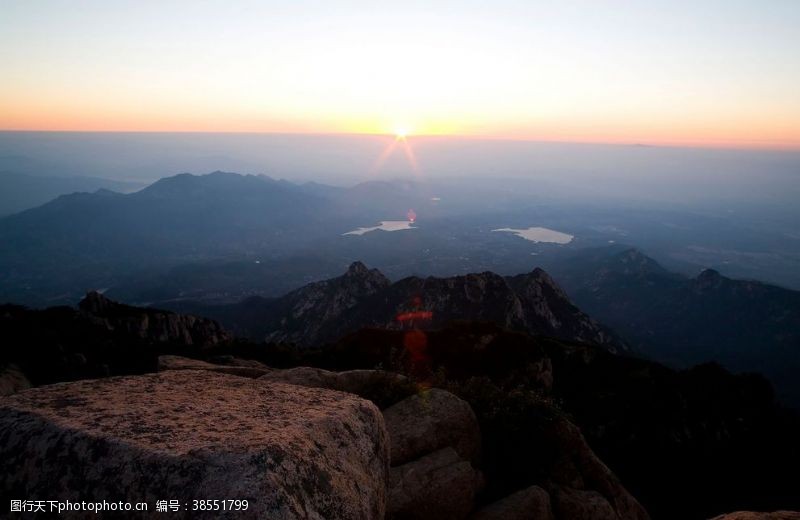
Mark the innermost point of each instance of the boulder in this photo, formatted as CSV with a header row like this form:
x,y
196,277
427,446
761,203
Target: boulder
x,y
750,515
291,452
12,380
436,486
379,386
578,476
168,362
532,503
429,421
582,504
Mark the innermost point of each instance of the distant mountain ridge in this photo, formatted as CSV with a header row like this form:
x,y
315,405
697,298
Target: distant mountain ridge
x,y
19,191
57,251
88,240
324,311
745,325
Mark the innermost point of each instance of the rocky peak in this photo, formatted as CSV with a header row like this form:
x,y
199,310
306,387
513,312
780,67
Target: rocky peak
x,y
95,303
359,270
633,261
709,274
633,255
543,279
151,324
709,279
369,279
548,310
362,297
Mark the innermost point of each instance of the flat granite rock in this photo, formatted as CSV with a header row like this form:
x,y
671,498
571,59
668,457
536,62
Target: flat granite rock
x,y
290,451
169,362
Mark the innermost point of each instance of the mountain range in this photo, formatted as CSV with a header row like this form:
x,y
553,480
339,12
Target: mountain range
x,y
744,324
20,191
324,311
191,240
56,252
617,297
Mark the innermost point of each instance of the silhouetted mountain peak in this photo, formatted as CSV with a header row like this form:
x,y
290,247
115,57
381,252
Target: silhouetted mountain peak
x,y
542,276
186,183
150,324
103,192
541,280
709,279
633,261
95,303
357,268
358,271
709,274
633,255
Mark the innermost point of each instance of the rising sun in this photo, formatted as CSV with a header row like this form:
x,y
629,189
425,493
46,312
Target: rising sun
x,y
400,134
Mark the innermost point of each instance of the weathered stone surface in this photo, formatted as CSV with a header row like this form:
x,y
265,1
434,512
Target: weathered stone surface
x,y
439,485
168,362
292,452
576,469
751,515
233,361
581,504
532,503
431,420
382,387
12,380
305,376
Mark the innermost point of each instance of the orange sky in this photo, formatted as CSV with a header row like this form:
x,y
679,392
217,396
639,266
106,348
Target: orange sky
x,y
676,72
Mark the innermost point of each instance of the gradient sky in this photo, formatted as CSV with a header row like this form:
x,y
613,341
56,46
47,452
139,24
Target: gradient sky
x,y
707,72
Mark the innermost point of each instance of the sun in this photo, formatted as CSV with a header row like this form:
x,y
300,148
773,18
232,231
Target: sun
x,y
400,134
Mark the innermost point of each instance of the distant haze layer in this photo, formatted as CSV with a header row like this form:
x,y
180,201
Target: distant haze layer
x,y
670,174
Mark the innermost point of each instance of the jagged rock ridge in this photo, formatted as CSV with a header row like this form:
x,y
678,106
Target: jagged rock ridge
x,y
151,324
324,311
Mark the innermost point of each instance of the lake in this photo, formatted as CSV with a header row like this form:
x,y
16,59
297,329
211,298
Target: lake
x,y
385,225
540,234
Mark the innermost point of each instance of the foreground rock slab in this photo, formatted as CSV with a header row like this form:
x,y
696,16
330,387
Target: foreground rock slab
x,y
291,452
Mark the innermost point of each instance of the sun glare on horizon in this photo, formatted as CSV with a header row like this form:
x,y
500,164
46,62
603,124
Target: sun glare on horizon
x,y
519,70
